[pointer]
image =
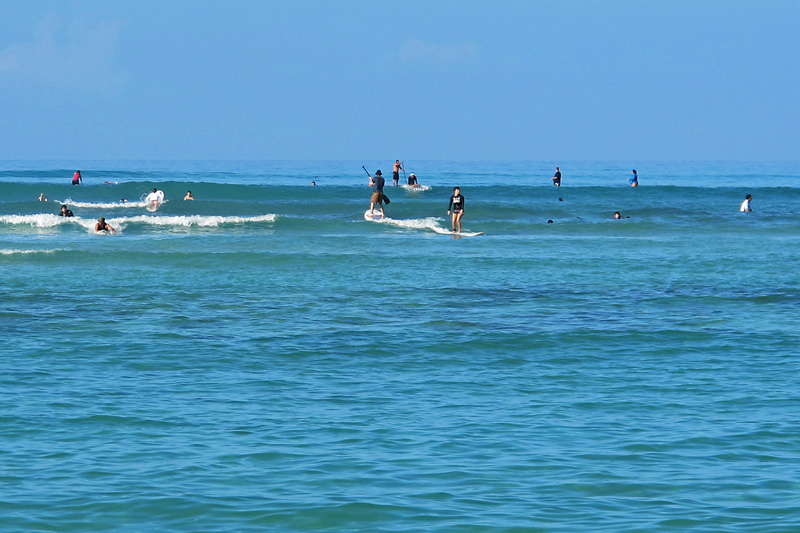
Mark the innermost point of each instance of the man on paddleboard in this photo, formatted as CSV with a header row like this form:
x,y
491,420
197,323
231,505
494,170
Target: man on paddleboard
x,y
377,182
396,172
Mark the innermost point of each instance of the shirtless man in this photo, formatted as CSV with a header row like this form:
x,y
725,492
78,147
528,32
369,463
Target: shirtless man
x,y
398,165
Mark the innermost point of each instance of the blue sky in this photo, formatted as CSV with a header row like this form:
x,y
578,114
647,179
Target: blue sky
x,y
436,79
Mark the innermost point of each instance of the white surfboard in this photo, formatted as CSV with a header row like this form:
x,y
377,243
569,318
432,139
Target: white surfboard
x,y
375,217
152,206
442,231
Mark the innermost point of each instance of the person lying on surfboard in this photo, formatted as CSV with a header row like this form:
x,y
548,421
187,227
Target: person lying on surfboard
x,y
103,226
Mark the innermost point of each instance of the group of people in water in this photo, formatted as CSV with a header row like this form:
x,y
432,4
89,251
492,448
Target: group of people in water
x,y
455,207
377,182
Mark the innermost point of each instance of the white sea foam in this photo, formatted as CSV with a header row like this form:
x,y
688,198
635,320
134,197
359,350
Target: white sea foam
x,y
420,188
103,205
188,221
41,220
430,223
47,220
10,251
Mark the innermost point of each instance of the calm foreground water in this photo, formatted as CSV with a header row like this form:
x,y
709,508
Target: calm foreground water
x,y
264,359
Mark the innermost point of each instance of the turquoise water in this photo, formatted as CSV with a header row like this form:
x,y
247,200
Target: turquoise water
x,y
264,359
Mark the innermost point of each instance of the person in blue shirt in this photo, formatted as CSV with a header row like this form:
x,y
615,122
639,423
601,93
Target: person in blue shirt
x,y
634,179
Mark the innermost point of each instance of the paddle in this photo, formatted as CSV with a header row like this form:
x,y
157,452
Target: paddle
x,y
385,198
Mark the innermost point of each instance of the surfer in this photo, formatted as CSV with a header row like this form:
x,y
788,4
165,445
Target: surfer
x,y
634,179
103,226
188,196
745,207
457,207
77,178
65,212
412,180
396,172
42,198
557,178
377,182
154,198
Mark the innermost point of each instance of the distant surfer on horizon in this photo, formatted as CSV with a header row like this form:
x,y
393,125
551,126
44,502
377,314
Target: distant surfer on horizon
x,y
103,226
154,199
557,178
745,207
377,183
77,178
457,207
396,172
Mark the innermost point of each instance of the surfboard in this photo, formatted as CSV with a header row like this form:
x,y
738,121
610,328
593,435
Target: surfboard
x,y
152,206
443,231
377,217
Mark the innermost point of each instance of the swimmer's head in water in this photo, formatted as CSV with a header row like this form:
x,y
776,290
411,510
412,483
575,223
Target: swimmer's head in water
x,y
617,215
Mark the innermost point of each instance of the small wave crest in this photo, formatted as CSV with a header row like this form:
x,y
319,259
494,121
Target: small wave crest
x,y
41,220
190,220
430,223
11,251
102,205
47,220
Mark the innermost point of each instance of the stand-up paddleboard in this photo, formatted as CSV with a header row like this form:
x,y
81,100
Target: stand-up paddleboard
x,y
376,217
442,231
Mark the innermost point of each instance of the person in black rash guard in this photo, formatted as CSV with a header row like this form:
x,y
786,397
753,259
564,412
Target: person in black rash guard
x,y
557,178
65,212
457,207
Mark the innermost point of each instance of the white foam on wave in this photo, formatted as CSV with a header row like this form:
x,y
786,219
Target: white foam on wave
x,y
11,251
102,205
417,189
41,220
430,223
190,220
47,220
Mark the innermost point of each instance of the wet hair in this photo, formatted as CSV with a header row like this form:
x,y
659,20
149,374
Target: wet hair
x,y
748,197
634,171
378,173
63,206
550,221
154,189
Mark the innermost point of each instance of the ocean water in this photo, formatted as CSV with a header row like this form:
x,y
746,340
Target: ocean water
x,y
265,359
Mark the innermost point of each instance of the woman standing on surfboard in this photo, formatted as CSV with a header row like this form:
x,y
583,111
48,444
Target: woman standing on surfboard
x,y
457,207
